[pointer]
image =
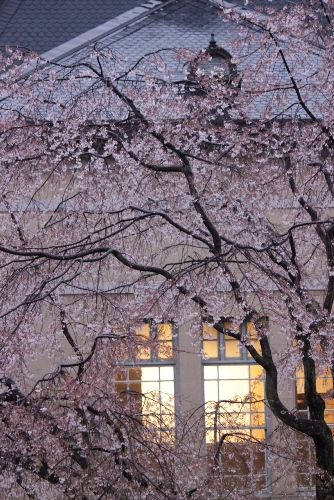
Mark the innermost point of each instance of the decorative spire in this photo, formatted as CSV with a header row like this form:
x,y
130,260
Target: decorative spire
x,y
213,43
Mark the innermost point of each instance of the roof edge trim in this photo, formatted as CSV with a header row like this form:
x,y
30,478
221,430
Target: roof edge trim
x,y
99,32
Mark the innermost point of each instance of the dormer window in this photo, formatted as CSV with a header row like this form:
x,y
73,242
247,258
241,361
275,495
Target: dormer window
x,y
220,64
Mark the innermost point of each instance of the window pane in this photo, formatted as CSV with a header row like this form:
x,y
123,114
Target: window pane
x,y
257,406
149,392
167,391
211,390
151,406
258,434
258,419
324,386
232,326
240,435
144,353
165,350
228,389
150,373
234,372
252,333
121,388
210,372
151,386
120,374
241,418
239,403
134,373
144,332
329,417
210,436
210,348
135,386
167,373
257,388
164,331
231,348
300,385
209,333
256,371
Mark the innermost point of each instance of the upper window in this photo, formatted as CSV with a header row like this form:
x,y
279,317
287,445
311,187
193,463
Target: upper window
x,y
148,388
218,346
219,64
159,342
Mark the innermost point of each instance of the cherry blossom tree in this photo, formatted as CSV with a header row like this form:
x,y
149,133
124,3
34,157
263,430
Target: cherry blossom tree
x,y
195,200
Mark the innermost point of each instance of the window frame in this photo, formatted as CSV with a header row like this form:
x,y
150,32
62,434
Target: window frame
x,y
154,359
155,362
245,359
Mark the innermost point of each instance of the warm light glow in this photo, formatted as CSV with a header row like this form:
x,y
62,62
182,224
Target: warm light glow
x,y
229,346
209,333
163,334
232,349
234,397
165,339
252,334
210,348
144,352
210,341
164,331
150,391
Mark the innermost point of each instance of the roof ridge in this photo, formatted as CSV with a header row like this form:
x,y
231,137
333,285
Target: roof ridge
x,y
99,32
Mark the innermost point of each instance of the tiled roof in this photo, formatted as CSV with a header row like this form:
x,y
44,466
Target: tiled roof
x,y
43,24
185,23
114,25
180,24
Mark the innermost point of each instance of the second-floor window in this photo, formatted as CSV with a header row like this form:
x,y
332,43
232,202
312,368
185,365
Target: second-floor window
x,y
148,387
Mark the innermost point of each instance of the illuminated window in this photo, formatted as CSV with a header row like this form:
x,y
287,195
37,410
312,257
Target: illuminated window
x,y
159,340
149,392
148,388
235,420
235,401
218,346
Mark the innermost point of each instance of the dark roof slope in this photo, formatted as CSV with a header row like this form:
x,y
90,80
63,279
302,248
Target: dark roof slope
x,y
43,24
182,23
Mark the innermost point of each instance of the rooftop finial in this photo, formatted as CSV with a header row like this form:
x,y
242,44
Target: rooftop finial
x,y
213,43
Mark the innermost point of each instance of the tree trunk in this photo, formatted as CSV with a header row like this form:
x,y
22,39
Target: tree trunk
x,y
324,453
315,427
